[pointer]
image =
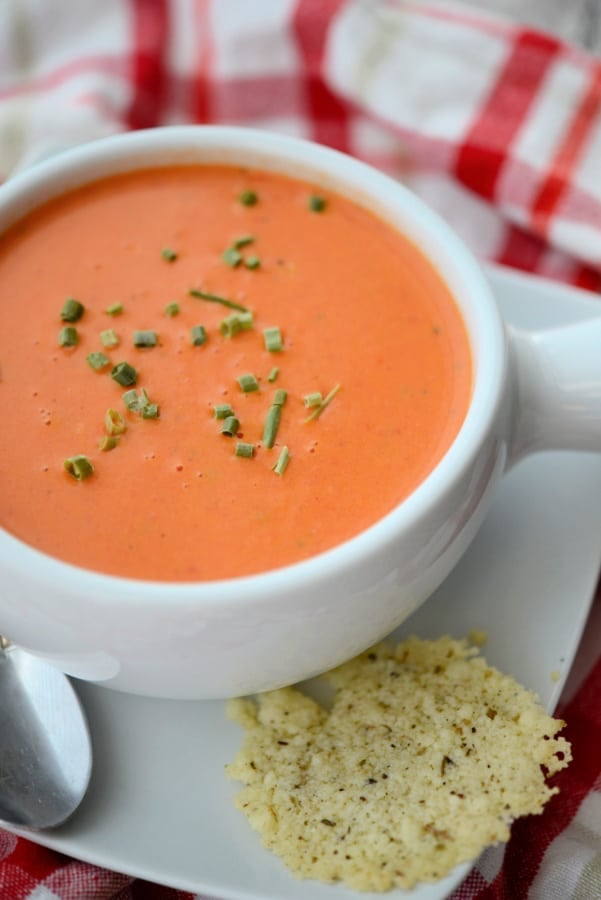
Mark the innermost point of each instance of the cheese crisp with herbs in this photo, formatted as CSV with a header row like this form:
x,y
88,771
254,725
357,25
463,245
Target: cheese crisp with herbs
x,y
210,372
425,757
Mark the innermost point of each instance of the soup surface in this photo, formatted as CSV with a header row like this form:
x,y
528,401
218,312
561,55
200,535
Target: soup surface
x,y
360,312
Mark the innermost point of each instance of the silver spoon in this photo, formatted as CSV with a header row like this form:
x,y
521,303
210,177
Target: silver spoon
x,y
45,748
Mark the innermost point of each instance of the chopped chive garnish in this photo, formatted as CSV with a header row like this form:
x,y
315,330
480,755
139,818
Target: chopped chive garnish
x,y
273,340
222,411
252,262
282,461
248,198
325,402
172,309
272,423
72,310
131,400
198,335
248,382
216,298
124,374
140,403
68,336
235,323
150,411
97,360
230,426
114,422
145,338
312,400
109,339
115,309
273,374
232,257
316,203
168,254
245,450
79,467
243,241
272,420
107,442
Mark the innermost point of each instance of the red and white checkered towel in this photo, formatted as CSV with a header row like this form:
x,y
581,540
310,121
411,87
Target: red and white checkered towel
x,y
495,125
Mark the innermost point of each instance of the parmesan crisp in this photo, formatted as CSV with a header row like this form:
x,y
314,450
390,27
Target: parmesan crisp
x,y
425,757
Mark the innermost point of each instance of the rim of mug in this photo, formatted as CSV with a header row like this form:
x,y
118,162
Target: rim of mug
x,y
331,169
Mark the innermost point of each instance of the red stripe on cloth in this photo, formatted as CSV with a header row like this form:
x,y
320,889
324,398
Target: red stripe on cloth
x,y
521,250
150,42
531,836
485,148
328,116
587,278
471,888
257,98
487,24
566,157
202,88
107,65
39,864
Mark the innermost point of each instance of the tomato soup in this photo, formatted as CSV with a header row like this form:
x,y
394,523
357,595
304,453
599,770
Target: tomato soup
x,y
215,291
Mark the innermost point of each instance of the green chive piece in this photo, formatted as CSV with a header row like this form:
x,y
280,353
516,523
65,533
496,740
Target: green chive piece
x,y
114,422
245,450
222,411
243,241
131,400
246,320
235,323
272,423
273,340
68,336
150,411
273,374
172,309
198,335
312,400
252,262
168,254
145,338
107,442
216,298
232,257
72,310
282,461
325,402
109,339
316,203
124,374
79,467
279,398
115,309
248,198
230,426
97,360
248,382
140,403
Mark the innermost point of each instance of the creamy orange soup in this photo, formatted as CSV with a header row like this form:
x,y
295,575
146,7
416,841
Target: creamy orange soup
x,y
361,315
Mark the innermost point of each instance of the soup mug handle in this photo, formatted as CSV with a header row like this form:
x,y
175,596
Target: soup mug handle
x,y
556,387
